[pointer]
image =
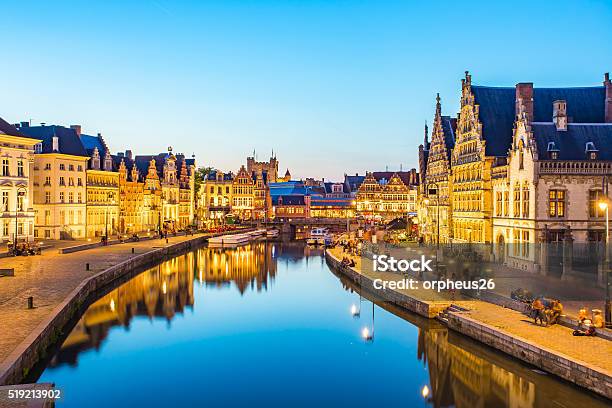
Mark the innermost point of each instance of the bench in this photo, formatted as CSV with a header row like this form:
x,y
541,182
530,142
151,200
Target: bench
x,y
7,272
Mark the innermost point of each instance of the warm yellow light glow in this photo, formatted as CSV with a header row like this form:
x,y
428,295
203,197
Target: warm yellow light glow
x,y
426,201
353,310
603,205
365,333
164,288
425,391
112,305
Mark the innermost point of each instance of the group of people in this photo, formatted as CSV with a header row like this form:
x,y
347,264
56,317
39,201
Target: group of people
x,y
24,249
547,311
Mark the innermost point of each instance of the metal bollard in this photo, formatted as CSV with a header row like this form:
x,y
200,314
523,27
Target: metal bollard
x,y
132,250
31,302
87,266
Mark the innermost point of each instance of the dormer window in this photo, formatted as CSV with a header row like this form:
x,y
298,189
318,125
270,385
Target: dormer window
x,y
591,151
553,152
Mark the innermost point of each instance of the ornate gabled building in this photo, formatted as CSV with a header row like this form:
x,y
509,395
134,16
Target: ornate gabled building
x,y
484,134
131,194
557,171
102,187
216,196
176,176
387,195
436,186
243,199
16,189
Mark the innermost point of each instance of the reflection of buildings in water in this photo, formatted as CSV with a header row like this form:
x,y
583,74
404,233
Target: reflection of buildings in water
x,y
461,379
246,265
161,291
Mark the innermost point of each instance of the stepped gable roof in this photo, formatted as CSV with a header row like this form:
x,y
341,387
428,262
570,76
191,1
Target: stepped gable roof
x,y
69,142
571,143
403,175
496,113
10,130
584,105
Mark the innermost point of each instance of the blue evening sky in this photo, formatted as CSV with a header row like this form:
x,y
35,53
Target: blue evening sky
x,y
332,86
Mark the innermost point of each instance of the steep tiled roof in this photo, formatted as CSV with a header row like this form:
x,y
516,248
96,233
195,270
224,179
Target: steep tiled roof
x,y
10,130
584,105
497,117
572,142
288,200
353,181
448,126
497,110
69,142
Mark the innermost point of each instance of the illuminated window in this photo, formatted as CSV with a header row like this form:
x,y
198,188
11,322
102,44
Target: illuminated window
x,y
556,203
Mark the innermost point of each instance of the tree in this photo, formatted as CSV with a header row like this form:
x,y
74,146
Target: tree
x,y
200,175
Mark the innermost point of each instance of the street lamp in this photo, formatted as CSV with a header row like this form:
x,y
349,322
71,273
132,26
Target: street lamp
x,y
603,205
437,193
21,192
112,201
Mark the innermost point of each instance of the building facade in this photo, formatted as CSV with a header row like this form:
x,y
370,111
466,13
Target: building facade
x,y
435,220
557,173
16,187
102,187
60,175
388,195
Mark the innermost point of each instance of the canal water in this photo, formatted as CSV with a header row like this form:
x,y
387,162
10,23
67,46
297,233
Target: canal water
x,y
269,324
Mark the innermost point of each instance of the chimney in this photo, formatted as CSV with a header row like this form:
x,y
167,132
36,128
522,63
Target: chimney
x,y
608,103
560,115
55,141
128,154
76,128
25,124
524,99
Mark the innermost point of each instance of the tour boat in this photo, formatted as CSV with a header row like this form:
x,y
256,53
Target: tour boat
x,y
235,239
319,236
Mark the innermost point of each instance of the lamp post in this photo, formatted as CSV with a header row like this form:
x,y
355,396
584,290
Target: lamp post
x,y
112,201
603,205
21,192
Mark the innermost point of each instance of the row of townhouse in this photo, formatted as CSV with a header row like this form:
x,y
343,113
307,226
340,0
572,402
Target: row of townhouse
x,y
518,165
58,183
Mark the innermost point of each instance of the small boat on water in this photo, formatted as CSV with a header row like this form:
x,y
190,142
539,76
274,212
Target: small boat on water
x,y
272,233
236,239
319,236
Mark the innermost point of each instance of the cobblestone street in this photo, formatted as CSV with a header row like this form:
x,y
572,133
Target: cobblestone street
x,y
49,278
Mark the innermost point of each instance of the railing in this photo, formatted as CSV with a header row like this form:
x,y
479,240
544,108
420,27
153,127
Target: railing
x,y
575,167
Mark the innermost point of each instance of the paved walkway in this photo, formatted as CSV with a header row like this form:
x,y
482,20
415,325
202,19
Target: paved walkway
x,y
49,278
594,351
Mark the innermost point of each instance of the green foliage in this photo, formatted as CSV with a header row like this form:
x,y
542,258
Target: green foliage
x,y
200,175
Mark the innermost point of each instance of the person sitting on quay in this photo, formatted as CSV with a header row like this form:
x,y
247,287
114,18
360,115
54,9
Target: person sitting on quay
x,y
557,311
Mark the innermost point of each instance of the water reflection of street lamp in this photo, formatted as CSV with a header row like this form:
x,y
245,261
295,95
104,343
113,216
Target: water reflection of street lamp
x,y
356,310
603,205
366,333
425,391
